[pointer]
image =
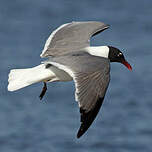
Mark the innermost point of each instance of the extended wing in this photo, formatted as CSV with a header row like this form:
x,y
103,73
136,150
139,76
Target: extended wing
x,y
91,77
71,37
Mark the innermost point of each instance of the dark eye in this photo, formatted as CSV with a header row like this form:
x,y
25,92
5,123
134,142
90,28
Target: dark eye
x,y
120,54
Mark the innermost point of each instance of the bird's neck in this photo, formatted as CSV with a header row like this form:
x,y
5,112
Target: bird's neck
x,y
101,51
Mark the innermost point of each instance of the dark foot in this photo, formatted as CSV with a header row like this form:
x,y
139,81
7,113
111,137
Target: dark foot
x,y
43,91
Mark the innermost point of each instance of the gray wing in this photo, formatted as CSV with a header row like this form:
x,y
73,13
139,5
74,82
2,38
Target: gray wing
x,y
91,77
71,37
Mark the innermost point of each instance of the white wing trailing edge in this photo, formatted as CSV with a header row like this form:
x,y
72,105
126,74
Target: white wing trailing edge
x,y
48,41
71,37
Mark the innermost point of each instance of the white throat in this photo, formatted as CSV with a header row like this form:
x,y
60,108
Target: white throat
x,y
102,51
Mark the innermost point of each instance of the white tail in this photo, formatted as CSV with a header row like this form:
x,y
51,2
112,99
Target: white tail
x,y
20,78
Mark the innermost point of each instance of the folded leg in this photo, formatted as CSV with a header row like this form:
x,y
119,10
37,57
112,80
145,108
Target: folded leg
x,y
43,91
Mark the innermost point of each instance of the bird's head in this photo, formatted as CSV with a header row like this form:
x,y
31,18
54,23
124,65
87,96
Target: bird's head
x,y
115,55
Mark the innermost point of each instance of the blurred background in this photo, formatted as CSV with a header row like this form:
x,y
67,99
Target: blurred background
x,y
124,123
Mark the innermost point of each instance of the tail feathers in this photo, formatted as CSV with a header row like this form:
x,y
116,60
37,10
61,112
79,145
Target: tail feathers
x,y
20,78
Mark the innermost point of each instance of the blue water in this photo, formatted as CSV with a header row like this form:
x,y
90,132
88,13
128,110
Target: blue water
x,y
124,123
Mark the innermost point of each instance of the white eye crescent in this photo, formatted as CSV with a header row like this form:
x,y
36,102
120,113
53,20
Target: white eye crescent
x,y
120,54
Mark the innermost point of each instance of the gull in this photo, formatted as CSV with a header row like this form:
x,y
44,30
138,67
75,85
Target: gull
x,y
70,57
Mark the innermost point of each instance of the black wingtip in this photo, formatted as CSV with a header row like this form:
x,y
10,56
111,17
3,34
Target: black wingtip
x,y
88,117
80,132
78,135
83,128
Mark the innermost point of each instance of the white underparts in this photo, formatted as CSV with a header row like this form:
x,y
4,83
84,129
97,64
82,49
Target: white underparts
x,y
101,51
20,78
64,68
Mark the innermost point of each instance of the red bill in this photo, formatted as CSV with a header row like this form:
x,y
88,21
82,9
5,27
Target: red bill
x,y
127,65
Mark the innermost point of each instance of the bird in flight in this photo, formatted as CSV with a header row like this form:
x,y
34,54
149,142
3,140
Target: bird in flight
x,y
70,57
